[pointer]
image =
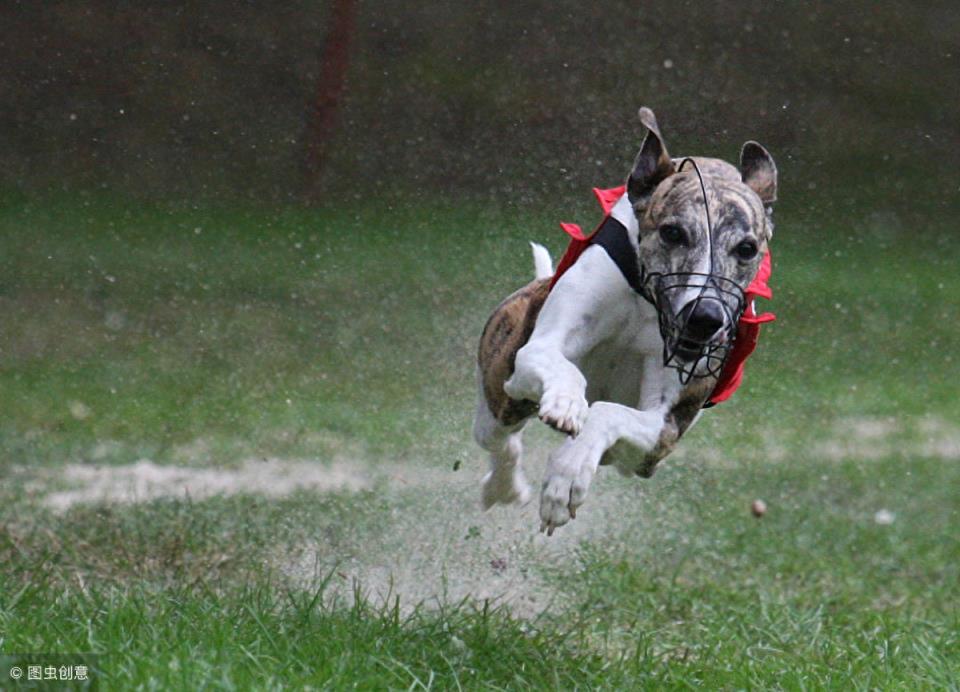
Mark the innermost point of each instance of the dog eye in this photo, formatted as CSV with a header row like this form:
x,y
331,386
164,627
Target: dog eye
x,y
746,250
673,235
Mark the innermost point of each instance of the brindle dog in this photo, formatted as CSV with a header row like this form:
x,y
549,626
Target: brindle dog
x,y
587,356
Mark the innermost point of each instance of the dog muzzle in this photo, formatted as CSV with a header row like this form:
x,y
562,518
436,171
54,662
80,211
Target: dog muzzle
x,y
697,337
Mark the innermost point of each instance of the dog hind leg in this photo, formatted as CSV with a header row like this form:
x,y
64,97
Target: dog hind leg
x,y
505,483
500,419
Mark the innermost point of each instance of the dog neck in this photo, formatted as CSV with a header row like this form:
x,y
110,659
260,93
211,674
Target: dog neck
x,y
623,212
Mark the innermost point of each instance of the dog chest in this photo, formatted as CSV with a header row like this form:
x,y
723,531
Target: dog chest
x,y
614,367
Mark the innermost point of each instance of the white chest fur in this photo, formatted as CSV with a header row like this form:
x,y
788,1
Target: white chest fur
x,y
594,364
597,323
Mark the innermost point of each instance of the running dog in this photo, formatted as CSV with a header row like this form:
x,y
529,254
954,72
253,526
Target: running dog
x,y
644,324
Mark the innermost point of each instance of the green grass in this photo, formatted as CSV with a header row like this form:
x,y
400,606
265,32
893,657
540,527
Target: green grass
x,y
208,336
261,637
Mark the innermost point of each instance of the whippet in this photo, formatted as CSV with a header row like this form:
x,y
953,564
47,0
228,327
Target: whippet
x,y
625,345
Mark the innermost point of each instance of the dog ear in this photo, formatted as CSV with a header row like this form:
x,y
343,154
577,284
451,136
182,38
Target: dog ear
x,y
652,164
759,172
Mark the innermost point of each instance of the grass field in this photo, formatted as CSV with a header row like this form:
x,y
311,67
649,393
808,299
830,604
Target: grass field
x,y
236,452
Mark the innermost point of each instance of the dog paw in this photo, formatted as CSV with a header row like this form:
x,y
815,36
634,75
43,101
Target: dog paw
x,y
504,487
564,412
565,488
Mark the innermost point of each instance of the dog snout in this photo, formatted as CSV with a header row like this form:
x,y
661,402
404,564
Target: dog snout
x,y
704,318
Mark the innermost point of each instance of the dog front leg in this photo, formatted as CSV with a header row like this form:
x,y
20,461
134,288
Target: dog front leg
x,y
588,304
571,466
543,374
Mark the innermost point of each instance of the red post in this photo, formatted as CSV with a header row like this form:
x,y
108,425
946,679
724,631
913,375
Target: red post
x,y
322,115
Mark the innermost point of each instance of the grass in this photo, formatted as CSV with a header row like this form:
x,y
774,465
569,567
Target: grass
x,y
818,595
261,637
208,336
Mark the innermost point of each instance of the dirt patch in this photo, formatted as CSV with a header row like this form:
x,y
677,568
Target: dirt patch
x,y
875,438
433,545
438,547
860,438
145,480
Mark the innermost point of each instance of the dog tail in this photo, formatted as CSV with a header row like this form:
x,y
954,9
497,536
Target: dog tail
x,y
542,264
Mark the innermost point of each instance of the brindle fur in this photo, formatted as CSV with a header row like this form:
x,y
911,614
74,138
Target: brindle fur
x,y
507,330
681,416
736,214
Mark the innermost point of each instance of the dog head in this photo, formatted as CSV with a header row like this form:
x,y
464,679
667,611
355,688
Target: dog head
x,y
704,228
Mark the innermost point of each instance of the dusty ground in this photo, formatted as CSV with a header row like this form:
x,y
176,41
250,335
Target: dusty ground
x,y
144,481
436,545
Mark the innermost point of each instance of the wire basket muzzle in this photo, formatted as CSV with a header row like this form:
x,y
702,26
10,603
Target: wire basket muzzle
x,y
698,332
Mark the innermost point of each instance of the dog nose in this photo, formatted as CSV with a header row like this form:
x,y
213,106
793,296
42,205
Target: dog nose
x,y
705,319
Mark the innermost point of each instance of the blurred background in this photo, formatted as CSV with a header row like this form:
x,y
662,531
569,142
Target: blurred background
x,y
244,192
244,229
246,253
315,100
